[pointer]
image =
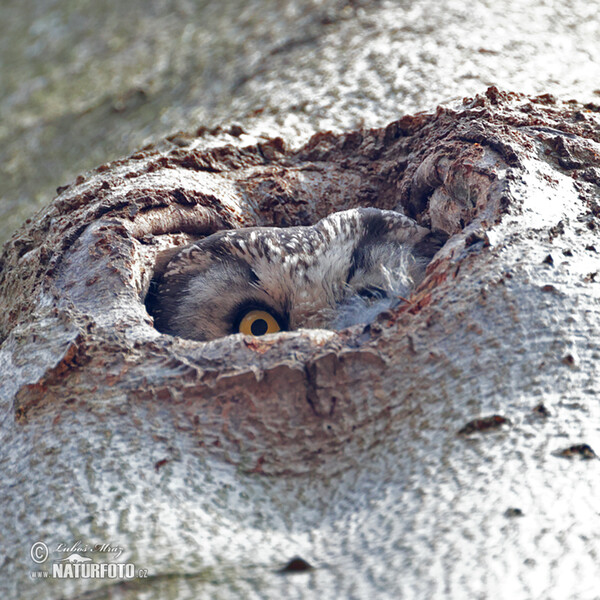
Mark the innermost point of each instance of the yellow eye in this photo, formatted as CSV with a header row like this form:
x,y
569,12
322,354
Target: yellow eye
x,y
258,322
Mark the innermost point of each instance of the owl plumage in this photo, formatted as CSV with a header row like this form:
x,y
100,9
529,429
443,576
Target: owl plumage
x,y
336,273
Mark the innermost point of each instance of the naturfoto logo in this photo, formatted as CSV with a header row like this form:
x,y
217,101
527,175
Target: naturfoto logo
x,y
76,565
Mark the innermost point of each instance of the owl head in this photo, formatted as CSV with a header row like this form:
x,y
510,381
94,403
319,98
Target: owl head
x,y
260,280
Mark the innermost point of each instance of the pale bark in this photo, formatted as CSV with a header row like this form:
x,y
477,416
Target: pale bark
x,y
213,464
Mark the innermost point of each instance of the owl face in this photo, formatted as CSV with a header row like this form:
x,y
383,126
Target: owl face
x,y
261,280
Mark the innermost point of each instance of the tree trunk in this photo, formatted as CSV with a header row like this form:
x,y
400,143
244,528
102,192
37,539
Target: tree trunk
x,y
432,453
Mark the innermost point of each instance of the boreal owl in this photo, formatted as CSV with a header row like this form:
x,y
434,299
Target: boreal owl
x,y
339,272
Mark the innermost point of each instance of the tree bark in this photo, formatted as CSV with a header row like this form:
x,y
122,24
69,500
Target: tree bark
x,y
432,453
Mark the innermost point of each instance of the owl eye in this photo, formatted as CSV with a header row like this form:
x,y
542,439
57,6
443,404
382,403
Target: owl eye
x,y
258,322
372,293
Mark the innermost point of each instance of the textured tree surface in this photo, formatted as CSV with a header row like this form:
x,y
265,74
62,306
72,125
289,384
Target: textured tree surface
x,y
445,450
85,82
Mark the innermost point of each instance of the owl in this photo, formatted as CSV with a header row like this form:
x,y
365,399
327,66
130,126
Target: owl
x,y
339,272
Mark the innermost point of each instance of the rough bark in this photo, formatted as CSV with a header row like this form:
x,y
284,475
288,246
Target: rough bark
x,y
393,458
81,85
